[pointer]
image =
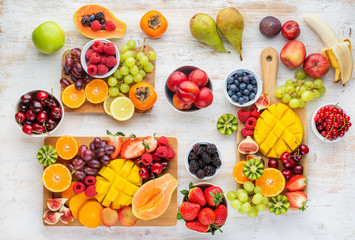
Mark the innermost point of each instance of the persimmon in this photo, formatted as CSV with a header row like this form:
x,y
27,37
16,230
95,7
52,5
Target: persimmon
x,y
143,95
154,24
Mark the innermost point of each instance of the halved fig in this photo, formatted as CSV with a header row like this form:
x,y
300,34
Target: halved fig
x,y
248,146
55,204
255,156
67,216
262,102
227,124
51,217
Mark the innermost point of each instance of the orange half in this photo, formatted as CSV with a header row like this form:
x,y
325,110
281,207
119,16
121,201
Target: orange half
x,y
56,178
238,174
96,91
73,98
272,182
67,147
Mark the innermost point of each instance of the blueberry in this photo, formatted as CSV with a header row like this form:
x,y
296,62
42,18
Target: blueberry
x,y
245,79
239,94
102,21
230,92
240,100
250,87
228,86
236,82
239,73
230,80
253,82
92,17
240,79
255,90
245,74
233,87
251,96
234,98
246,99
246,92
237,89
103,26
242,86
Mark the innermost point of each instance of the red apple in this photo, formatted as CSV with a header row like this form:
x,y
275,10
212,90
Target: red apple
x,y
199,77
175,79
290,30
126,217
187,91
180,104
293,54
316,65
204,98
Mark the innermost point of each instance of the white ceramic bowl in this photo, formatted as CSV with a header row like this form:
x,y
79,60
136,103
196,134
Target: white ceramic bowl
x,y
187,161
314,128
84,62
169,94
45,134
257,95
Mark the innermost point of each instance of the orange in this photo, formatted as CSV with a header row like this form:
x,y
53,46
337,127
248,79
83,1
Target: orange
x,y
67,147
56,177
272,182
73,98
69,193
96,91
238,174
90,214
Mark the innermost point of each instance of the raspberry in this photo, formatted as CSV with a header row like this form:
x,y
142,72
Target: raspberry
x,y
101,69
209,170
98,46
92,69
110,49
89,63
90,191
103,60
243,115
95,58
111,61
211,149
90,180
110,26
162,151
254,112
250,123
246,132
88,53
171,153
79,187
193,166
163,141
96,26
200,174
147,159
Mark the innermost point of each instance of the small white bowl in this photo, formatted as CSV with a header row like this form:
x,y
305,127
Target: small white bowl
x,y
257,95
83,58
314,128
45,134
187,161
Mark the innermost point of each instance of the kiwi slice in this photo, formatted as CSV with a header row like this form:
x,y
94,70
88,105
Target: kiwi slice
x,y
47,155
278,205
253,169
227,124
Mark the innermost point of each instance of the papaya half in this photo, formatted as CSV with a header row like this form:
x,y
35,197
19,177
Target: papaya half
x,y
88,32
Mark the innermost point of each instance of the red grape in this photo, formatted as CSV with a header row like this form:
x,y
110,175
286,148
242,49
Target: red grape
x,y
87,155
65,82
94,163
82,148
79,163
80,175
105,159
99,152
109,149
66,70
91,171
79,84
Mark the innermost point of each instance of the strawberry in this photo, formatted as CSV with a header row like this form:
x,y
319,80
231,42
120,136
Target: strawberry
x,y
197,226
151,143
214,196
132,149
221,215
254,112
296,183
246,132
116,141
189,211
297,199
195,195
206,216
243,115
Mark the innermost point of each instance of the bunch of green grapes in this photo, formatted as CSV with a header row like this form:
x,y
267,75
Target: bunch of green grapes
x,y
248,200
133,68
298,92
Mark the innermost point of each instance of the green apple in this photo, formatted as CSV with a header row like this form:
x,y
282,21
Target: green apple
x,y
48,37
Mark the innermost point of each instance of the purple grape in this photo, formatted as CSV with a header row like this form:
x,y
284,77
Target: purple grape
x,y
78,67
76,53
82,148
75,72
66,70
65,82
91,171
105,159
79,84
94,163
68,61
99,152
87,155
109,149
92,146
96,140
80,175
87,78
79,164
102,144
70,167
73,77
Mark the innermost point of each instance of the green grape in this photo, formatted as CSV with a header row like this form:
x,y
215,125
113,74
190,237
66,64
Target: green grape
x,y
257,189
236,204
322,90
257,198
124,48
112,81
128,79
265,200
243,197
130,62
283,88
140,55
124,88
249,186
113,91
315,93
294,103
127,55
134,70
239,191
290,82
318,83
149,67
151,55
300,74
308,84
138,78
121,58
253,212
301,90
279,93
286,98
290,89
117,74
131,44
260,207
307,96
231,195
124,70
246,207
144,60
302,104
142,72
241,211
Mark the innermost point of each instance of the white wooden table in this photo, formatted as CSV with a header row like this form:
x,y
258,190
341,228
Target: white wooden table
x,y
331,168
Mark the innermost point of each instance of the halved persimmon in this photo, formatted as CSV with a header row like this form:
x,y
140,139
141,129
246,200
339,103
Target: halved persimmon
x,y
272,182
73,98
67,147
238,174
96,91
56,177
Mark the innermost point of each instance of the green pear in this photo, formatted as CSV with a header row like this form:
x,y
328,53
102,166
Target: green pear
x,y
204,29
230,23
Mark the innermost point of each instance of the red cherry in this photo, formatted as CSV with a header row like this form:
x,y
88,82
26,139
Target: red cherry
x,y
143,173
20,117
56,113
287,173
285,157
298,169
290,163
30,115
42,117
26,98
41,95
304,149
273,163
296,155
27,129
156,168
38,128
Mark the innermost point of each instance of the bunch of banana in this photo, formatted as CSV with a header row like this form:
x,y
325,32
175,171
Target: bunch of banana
x,y
338,52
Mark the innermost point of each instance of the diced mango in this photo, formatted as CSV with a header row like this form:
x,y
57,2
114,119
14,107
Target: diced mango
x,y
278,129
271,139
130,188
133,175
112,193
281,147
116,165
119,182
106,202
100,197
108,173
270,120
264,147
102,185
129,201
126,168
122,198
272,153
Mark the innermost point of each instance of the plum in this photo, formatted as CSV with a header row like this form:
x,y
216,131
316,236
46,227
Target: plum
x,y
187,91
180,104
204,98
109,217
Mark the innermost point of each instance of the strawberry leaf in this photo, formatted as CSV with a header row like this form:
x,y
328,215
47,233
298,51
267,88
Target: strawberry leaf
x,y
213,228
191,186
304,206
146,146
178,216
185,192
217,197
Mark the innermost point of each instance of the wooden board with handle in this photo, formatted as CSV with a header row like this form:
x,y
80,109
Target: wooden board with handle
x,y
167,219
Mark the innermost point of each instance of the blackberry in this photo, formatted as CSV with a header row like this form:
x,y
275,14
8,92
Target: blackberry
x,y
194,166
201,163
209,170
200,174
206,158
85,20
198,149
99,16
216,161
211,149
193,156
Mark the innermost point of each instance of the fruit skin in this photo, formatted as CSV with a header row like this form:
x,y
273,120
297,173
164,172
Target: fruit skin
x,y
206,216
197,226
48,37
248,146
125,216
51,217
316,65
214,196
109,217
67,217
47,155
290,30
199,77
204,98
149,24
263,102
204,29
297,199
142,95
296,183
227,124
88,32
230,23
270,26
253,169
55,204
187,91
293,54
189,211
278,205
221,215
175,79
180,104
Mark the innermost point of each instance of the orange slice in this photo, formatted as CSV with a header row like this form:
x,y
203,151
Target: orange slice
x,y
238,174
67,147
69,193
56,177
272,182
96,91
73,98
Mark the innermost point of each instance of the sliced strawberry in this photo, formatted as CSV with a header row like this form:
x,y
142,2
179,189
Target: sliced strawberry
x,y
297,199
151,142
116,141
135,148
296,183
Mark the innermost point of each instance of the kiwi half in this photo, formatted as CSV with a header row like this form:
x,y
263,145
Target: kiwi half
x,y
227,124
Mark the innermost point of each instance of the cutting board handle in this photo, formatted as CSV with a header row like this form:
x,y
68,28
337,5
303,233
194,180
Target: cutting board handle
x,y
269,63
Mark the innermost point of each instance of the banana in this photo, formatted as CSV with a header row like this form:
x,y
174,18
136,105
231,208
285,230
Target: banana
x,y
338,51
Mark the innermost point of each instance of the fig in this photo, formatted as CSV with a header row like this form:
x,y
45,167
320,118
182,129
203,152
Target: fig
x,y
255,156
227,124
55,204
248,146
67,217
262,102
270,26
253,169
51,217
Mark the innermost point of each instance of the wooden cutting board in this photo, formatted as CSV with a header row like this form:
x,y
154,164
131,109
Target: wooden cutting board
x,y
89,107
167,219
269,64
